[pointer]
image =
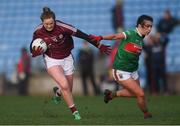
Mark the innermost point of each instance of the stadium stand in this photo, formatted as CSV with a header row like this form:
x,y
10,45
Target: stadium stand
x,y
155,8
20,17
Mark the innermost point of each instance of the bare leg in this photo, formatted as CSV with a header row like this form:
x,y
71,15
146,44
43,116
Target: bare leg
x,y
58,75
70,81
125,92
133,88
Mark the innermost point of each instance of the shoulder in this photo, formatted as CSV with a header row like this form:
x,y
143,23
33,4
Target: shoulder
x,y
38,28
65,25
61,23
129,32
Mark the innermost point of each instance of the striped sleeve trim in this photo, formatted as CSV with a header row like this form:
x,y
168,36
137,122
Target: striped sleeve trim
x,y
67,26
124,35
115,75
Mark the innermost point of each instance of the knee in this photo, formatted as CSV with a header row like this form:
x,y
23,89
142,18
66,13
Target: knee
x,y
64,87
140,94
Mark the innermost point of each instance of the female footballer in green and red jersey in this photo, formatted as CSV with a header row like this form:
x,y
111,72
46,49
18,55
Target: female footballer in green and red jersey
x,y
126,62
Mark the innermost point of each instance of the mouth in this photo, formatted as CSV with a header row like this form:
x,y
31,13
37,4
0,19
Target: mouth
x,y
49,29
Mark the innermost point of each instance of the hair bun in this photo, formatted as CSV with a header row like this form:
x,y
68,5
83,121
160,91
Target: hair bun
x,y
46,9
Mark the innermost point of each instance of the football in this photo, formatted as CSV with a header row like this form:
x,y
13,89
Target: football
x,y
39,42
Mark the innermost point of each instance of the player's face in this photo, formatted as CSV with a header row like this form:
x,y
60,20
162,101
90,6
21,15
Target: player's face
x,y
48,24
146,27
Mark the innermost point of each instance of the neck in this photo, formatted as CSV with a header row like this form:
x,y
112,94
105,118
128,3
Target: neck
x,y
139,31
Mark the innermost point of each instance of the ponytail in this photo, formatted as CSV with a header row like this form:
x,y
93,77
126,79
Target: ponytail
x,y
47,13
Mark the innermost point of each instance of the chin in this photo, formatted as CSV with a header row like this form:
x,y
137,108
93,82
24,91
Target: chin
x,y
49,30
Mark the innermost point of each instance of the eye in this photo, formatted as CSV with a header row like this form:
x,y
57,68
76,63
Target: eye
x,y
147,26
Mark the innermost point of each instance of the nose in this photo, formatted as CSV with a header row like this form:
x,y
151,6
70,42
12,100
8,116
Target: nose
x,y
49,26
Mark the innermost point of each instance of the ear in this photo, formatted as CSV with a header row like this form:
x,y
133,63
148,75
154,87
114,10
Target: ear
x,y
139,26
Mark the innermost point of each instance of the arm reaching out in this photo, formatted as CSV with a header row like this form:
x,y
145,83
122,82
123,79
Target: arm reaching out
x,y
114,36
104,48
86,37
94,40
108,37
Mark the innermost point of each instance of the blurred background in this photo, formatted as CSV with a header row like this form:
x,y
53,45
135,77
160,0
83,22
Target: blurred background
x,y
19,19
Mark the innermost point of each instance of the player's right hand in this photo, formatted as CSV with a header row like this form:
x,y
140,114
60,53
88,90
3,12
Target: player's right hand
x,y
37,52
95,38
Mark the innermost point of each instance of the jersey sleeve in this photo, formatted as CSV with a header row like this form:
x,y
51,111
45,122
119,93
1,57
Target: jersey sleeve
x,y
127,33
35,36
67,28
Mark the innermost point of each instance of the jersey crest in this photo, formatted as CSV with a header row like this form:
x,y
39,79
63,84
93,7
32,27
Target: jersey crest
x,y
133,48
58,39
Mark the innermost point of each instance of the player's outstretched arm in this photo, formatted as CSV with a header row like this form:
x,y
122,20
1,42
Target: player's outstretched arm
x,y
86,37
94,40
108,37
117,36
103,48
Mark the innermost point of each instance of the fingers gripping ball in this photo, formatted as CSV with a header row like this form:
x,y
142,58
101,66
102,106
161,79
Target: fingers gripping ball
x,y
39,43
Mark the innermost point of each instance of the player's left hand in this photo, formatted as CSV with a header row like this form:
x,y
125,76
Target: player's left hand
x,y
105,49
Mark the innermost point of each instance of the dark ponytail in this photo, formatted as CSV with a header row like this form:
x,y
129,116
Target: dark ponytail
x,y
46,9
47,13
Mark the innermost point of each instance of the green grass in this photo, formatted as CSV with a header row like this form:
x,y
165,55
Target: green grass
x,y
41,110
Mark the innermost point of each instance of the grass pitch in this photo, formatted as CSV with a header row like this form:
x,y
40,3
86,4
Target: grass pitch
x,y
17,110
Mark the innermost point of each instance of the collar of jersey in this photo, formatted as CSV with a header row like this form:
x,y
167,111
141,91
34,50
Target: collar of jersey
x,y
138,32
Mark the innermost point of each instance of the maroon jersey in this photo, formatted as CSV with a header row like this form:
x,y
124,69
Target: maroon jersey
x,y
59,40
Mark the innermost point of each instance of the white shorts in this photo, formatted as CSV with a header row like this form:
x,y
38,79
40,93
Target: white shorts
x,y
67,63
123,75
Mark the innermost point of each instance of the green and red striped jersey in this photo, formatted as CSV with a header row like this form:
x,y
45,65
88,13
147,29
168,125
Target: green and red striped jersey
x,y
127,56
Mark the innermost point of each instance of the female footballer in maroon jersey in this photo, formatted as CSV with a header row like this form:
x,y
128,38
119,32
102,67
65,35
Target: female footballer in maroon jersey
x,y
58,57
